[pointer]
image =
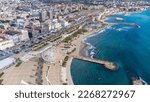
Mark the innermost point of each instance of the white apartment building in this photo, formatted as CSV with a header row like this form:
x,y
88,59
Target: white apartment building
x,y
64,23
4,44
5,63
53,25
13,35
24,35
98,17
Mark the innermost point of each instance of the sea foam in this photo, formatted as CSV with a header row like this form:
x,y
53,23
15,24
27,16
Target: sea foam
x,y
145,83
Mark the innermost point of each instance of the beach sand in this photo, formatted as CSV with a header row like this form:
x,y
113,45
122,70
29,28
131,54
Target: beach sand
x,y
55,75
26,72
79,44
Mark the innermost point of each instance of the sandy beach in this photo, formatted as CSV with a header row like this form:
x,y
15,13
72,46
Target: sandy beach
x,y
79,44
24,73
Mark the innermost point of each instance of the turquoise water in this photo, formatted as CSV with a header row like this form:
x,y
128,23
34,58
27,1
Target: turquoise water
x,y
125,45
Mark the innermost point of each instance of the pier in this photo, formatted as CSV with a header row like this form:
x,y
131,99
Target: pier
x,y
129,24
109,65
132,24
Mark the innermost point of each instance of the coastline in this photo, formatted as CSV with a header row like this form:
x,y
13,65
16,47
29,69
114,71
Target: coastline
x,y
81,45
84,44
47,53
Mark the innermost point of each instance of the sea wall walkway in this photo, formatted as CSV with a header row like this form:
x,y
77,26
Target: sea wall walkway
x,y
107,64
129,24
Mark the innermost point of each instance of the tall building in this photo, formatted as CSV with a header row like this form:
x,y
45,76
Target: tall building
x,y
43,16
24,35
13,35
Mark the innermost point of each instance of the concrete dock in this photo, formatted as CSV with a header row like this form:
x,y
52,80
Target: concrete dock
x,y
107,64
129,24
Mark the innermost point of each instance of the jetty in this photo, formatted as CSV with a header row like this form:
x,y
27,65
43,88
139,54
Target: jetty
x,y
109,65
133,24
129,24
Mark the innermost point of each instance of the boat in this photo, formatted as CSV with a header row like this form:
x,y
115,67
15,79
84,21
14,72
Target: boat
x,y
119,19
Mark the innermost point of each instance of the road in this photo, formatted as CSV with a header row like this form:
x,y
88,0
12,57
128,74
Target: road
x,y
41,37
27,45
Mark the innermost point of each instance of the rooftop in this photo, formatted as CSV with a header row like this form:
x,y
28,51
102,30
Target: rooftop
x,y
11,32
2,39
6,62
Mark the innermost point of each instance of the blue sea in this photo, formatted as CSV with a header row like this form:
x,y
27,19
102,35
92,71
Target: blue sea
x,y
125,45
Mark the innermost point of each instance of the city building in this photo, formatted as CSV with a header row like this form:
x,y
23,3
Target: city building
x,y
4,44
64,23
5,63
24,35
98,17
43,16
52,25
13,35
46,28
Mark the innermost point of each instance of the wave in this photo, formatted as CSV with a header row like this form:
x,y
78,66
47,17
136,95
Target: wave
x,y
90,49
92,53
143,81
119,29
110,28
94,34
122,29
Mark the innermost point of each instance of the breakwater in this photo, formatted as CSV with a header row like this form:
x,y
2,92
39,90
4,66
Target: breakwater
x,y
107,64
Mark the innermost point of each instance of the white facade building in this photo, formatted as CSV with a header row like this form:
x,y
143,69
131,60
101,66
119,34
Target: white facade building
x,y
64,23
57,25
24,35
14,37
98,17
6,44
54,25
5,63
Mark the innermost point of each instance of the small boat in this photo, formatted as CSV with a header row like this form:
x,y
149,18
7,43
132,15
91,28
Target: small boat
x,y
119,19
